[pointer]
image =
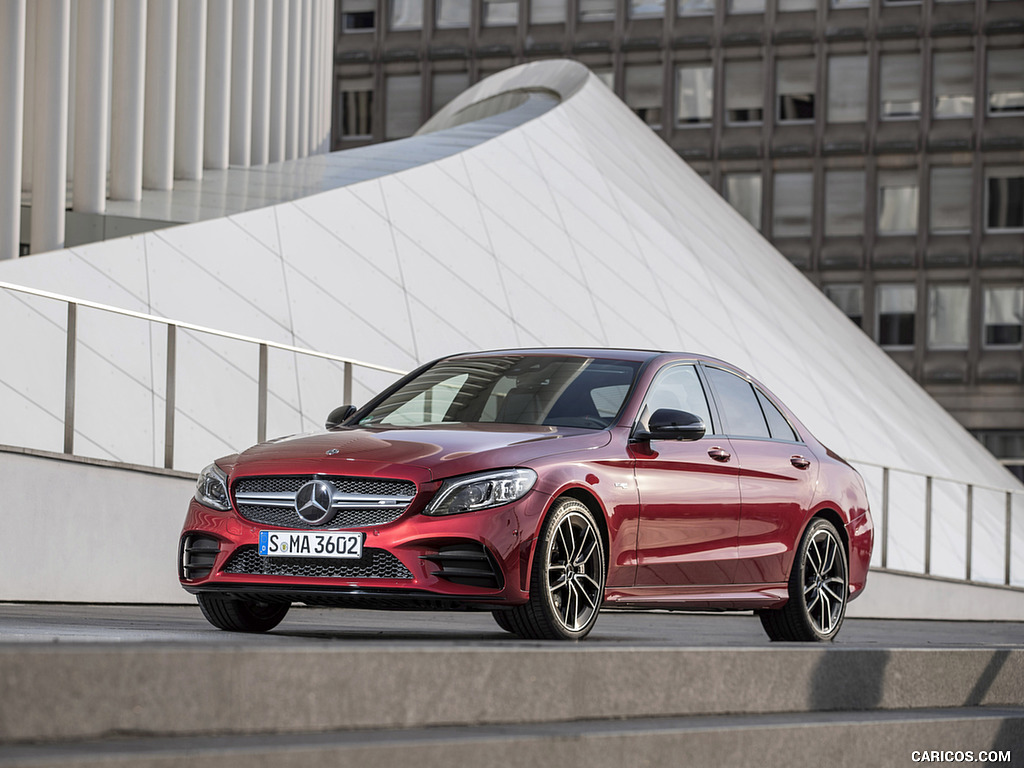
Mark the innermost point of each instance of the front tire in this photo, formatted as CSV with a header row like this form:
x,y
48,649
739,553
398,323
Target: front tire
x,y
819,588
237,615
567,582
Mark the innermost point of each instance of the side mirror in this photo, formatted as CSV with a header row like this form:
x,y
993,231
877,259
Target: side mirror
x,y
339,416
670,424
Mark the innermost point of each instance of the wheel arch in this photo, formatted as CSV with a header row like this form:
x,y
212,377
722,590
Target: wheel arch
x,y
587,498
836,519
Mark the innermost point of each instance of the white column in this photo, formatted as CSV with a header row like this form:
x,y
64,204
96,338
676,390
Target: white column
x,y
92,104
278,81
12,95
158,130
328,93
294,78
241,82
50,124
190,90
261,59
127,100
72,57
304,78
316,41
216,134
29,97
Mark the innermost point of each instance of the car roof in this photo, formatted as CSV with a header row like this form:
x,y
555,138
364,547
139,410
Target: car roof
x,y
601,353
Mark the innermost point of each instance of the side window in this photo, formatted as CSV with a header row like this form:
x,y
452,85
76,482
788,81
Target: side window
x,y
678,387
738,404
777,423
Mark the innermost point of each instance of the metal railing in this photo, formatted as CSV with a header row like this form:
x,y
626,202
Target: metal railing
x,y
173,327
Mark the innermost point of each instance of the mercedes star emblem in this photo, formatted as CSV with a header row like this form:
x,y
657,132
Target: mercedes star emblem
x,y
313,502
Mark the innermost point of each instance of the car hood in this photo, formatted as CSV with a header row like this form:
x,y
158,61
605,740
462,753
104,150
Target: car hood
x,y
415,452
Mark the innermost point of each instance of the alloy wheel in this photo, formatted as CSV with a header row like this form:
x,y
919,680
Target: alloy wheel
x,y
575,579
824,587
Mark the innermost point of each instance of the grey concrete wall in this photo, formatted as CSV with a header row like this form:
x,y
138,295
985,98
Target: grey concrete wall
x,y
906,596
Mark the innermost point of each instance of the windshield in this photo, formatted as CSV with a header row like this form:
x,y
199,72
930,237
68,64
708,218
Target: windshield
x,y
515,389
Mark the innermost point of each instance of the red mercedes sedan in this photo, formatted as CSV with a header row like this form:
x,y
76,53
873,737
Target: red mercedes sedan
x,y
541,485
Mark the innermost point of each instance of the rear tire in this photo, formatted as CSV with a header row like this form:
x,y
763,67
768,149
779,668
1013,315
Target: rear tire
x,y
237,615
818,589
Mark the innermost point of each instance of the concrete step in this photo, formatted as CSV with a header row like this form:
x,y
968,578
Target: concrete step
x,y
56,692
792,740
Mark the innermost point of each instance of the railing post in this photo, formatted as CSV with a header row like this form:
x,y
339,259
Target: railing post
x,y
970,530
928,525
347,389
261,410
1008,553
172,364
69,379
885,517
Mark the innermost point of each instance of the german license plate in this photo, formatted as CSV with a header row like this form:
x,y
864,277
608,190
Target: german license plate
x,y
332,544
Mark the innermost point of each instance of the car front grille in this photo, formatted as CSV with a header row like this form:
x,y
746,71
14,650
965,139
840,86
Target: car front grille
x,y
360,501
374,564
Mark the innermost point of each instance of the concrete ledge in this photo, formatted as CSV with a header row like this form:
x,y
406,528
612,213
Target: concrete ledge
x,y
892,595
787,741
154,690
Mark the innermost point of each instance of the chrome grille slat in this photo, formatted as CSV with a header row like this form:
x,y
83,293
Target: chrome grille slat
x,y
358,501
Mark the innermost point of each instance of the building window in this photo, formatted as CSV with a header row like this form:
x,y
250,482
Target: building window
x,y
844,203
355,108
953,84
897,306
746,6
797,5
849,297
950,207
597,10
1006,81
452,14
850,3
847,89
897,202
1004,316
402,106
694,94
743,192
643,92
900,86
793,196
500,13
646,9
1004,199
358,15
948,316
794,84
406,14
744,97
547,11
445,86
695,7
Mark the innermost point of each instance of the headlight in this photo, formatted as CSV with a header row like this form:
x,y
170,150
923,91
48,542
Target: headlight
x,y
212,488
483,491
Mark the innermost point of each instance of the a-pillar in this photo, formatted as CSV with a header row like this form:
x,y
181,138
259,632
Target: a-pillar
x,y
241,83
161,56
12,100
50,124
216,136
127,100
92,100
190,90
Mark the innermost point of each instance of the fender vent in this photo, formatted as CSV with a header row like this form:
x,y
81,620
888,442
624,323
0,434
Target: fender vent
x,y
196,556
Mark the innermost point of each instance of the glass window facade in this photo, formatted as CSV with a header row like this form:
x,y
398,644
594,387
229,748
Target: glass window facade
x,y
445,86
953,84
597,10
500,13
744,92
1006,81
847,89
849,297
646,9
354,107
797,5
452,14
694,94
897,202
695,7
746,6
896,309
844,203
547,11
1004,316
644,93
743,192
794,88
793,204
1004,199
402,106
950,200
406,14
358,15
899,90
948,316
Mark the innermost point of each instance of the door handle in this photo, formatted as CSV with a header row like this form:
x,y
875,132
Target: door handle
x,y
799,462
719,454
